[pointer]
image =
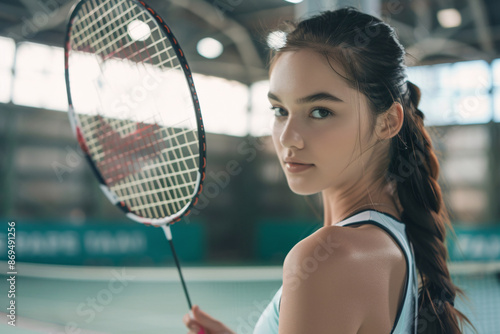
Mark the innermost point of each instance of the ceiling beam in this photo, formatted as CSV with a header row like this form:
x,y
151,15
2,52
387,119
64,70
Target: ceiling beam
x,y
438,46
440,40
10,12
306,9
233,30
44,16
484,34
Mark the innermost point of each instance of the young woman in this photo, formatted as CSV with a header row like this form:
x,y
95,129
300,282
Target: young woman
x,y
347,125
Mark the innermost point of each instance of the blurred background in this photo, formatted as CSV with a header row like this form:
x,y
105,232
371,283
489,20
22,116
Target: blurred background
x,y
82,267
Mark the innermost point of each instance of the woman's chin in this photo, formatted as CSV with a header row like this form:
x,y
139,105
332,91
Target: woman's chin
x,y
303,189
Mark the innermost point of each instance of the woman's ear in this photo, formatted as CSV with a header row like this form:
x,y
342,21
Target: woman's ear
x,y
390,122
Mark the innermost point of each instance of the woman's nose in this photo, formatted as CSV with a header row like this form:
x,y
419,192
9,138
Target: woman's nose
x,y
291,134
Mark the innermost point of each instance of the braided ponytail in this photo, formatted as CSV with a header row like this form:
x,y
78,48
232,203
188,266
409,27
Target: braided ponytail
x,y
415,168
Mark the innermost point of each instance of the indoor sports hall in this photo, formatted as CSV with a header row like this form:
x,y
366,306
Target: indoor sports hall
x,y
77,256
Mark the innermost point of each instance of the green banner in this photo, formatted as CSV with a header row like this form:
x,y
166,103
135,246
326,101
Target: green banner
x,y
120,244
475,244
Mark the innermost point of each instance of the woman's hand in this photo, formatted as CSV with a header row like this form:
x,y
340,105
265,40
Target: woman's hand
x,y
201,320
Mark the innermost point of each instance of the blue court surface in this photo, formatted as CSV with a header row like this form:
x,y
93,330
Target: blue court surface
x,y
65,299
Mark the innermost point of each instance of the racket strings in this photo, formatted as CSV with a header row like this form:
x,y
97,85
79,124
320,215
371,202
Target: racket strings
x,y
112,43
153,168
98,41
183,195
91,8
181,179
138,187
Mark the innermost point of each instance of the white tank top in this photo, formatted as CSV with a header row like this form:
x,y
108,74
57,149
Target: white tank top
x,y
406,317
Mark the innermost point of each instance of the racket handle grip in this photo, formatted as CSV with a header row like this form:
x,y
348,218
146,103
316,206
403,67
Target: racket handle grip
x,y
201,331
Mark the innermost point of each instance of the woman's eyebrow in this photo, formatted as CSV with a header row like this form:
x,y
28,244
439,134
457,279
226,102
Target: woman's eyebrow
x,y
321,96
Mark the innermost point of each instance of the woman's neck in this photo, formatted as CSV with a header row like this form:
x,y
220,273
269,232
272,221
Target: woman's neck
x,y
338,205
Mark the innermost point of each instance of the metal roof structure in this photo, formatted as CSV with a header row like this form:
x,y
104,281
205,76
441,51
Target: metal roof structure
x,y
242,27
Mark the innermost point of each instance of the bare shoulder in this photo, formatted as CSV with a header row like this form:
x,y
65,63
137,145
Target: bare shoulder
x,y
366,243
342,270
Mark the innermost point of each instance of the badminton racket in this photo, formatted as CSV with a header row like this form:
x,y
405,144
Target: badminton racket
x,y
134,110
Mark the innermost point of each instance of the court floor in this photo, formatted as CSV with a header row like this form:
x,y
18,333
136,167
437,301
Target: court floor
x,y
59,299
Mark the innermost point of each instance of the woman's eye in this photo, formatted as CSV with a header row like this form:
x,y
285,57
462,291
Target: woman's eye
x,y
279,111
321,113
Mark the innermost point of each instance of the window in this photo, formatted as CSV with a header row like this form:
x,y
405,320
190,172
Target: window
x,y
262,116
496,88
454,93
223,104
8,47
39,77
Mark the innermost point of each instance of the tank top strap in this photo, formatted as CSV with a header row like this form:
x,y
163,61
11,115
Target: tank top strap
x,y
406,318
389,223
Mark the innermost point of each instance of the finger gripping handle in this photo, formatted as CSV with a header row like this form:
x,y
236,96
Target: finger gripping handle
x,y
201,331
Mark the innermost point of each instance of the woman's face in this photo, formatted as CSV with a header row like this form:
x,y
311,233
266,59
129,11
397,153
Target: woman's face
x,y
318,123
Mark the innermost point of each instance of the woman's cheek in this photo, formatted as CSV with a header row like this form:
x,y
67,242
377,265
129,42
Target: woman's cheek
x,y
330,138
337,145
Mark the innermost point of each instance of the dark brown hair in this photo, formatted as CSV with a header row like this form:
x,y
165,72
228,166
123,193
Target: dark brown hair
x,y
374,62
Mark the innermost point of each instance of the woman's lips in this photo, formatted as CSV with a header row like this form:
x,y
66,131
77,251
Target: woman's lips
x,y
294,167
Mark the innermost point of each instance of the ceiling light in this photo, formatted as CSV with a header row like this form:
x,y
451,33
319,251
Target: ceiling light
x,y
449,18
209,48
294,1
138,30
276,39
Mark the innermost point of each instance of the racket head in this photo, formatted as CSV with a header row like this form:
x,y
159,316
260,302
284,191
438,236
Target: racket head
x,y
134,109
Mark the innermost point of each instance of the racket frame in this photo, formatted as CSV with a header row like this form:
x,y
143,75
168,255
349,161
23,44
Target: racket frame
x,y
75,125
